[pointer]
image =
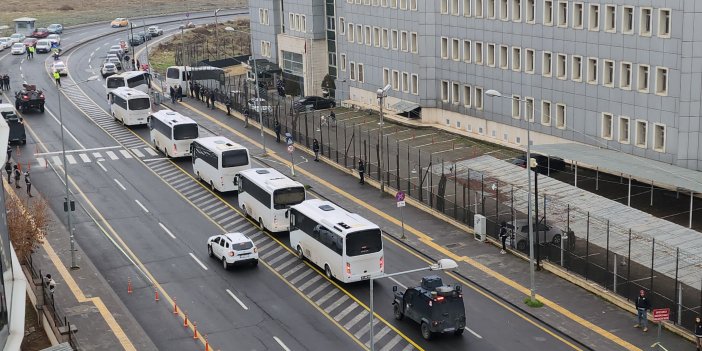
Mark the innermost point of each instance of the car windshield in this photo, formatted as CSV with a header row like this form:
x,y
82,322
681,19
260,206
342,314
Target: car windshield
x,y
17,45
242,246
235,158
363,242
185,131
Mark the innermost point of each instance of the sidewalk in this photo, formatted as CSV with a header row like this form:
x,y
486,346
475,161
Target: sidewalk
x,y
568,308
82,296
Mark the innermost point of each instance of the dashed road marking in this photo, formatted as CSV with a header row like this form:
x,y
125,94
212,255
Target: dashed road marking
x,y
166,230
198,261
236,299
142,206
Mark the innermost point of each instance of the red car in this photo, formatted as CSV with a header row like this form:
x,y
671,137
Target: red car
x,y
40,33
30,42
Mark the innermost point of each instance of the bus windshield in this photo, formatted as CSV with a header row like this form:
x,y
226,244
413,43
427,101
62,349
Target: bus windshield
x,y
284,198
185,131
139,104
115,82
173,73
363,242
234,158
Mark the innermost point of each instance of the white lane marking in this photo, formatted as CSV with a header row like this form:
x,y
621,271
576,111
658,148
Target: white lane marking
x,y
120,185
80,150
71,159
66,129
97,155
125,153
142,206
112,155
474,333
89,65
198,261
41,162
157,159
137,152
281,343
237,299
57,160
398,283
166,230
101,166
151,151
84,157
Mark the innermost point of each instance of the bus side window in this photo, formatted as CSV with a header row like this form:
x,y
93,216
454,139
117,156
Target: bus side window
x,y
148,122
292,221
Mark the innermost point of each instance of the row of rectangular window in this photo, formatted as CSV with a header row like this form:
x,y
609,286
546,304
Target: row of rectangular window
x,y
512,10
454,52
263,16
381,37
265,48
393,4
641,131
357,72
298,22
401,81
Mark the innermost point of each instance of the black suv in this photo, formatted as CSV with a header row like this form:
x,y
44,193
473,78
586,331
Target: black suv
x,y
29,98
315,102
436,307
17,132
136,40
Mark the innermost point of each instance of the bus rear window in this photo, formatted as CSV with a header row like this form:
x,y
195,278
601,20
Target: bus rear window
x,y
185,131
115,83
284,198
363,242
139,104
235,158
173,73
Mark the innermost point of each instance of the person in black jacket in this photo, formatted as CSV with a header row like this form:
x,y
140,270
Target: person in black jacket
x,y
277,131
361,171
315,149
18,175
698,333
28,182
8,169
503,237
642,306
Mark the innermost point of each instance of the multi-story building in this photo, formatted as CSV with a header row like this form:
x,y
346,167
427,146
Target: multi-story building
x,y
625,74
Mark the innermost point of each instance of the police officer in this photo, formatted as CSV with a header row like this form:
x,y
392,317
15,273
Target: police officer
x,y
6,81
18,175
28,182
8,170
57,78
277,131
361,171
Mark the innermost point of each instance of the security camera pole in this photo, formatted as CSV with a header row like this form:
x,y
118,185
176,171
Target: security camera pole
x,y
382,94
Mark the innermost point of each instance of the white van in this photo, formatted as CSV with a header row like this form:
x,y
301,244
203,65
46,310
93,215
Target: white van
x,y
217,161
172,132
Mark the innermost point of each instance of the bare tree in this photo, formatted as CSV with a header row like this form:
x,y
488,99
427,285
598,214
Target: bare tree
x,y
26,224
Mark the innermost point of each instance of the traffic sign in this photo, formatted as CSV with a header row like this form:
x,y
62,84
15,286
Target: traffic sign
x,y
291,148
400,204
400,196
661,314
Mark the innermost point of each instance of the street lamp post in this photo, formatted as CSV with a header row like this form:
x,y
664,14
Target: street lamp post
x,y
67,205
530,165
258,97
381,94
442,264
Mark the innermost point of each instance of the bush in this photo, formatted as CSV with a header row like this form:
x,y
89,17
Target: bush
x,y
533,303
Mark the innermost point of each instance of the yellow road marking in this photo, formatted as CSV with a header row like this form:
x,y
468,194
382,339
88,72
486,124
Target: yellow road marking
x,y
77,292
427,240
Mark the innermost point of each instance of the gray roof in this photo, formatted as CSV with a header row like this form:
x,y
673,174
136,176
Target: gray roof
x,y
25,19
664,174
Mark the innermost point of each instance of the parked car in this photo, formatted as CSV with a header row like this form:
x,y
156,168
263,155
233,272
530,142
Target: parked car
x,y
43,46
114,59
315,102
136,40
155,31
232,248
259,105
188,25
30,42
108,69
547,233
55,28
116,49
55,38
543,163
119,22
146,36
15,122
59,67
5,42
40,33
17,38
18,49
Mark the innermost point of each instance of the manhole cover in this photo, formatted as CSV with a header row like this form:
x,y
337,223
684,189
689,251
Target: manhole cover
x,y
455,245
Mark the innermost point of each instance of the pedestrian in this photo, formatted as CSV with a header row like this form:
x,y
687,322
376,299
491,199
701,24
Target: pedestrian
x,y
172,92
246,117
192,89
50,283
315,149
332,117
196,90
31,51
9,152
213,98
503,237
228,103
18,175
179,93
2,83
28,182
133,64
642,306
277,131
6,81
8,169
698,333
138,65
57,78
361,171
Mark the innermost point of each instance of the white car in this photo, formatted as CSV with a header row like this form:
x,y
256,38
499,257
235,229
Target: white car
x,y
59,67
18,49
43,46
259,105
5,43
54,38
232,248
108,69
17,37
155,31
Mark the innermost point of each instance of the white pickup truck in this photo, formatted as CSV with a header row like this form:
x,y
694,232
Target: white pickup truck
x,y
155,31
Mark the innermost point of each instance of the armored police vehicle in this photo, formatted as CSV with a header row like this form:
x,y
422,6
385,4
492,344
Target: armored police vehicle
x,y
438,308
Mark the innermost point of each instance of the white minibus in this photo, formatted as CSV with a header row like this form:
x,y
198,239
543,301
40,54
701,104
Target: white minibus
x,y
129,106
138,80
208,76
347,246
266,194
217,160
172,132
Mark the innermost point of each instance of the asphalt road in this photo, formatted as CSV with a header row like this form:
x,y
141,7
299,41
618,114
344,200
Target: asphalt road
x,y
280,305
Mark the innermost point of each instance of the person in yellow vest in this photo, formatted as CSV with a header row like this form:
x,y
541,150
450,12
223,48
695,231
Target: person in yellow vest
x,y
57,78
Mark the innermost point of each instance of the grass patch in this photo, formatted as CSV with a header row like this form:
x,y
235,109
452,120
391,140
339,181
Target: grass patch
x,y
533,303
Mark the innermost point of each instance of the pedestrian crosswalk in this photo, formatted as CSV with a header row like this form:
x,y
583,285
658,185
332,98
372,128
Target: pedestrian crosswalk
x,y
77,157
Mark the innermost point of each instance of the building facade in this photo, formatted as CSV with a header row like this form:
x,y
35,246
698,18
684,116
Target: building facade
x,y
623,74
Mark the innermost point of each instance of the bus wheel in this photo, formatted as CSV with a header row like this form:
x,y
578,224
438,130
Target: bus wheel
x,y
300,254
328,272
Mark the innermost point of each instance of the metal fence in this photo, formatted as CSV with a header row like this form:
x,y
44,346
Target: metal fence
x,y
60,326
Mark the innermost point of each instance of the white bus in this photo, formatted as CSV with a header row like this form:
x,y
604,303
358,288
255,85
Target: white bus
x,y
138,80
266,194
129,106
217,160
208,76
172,132
347,246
